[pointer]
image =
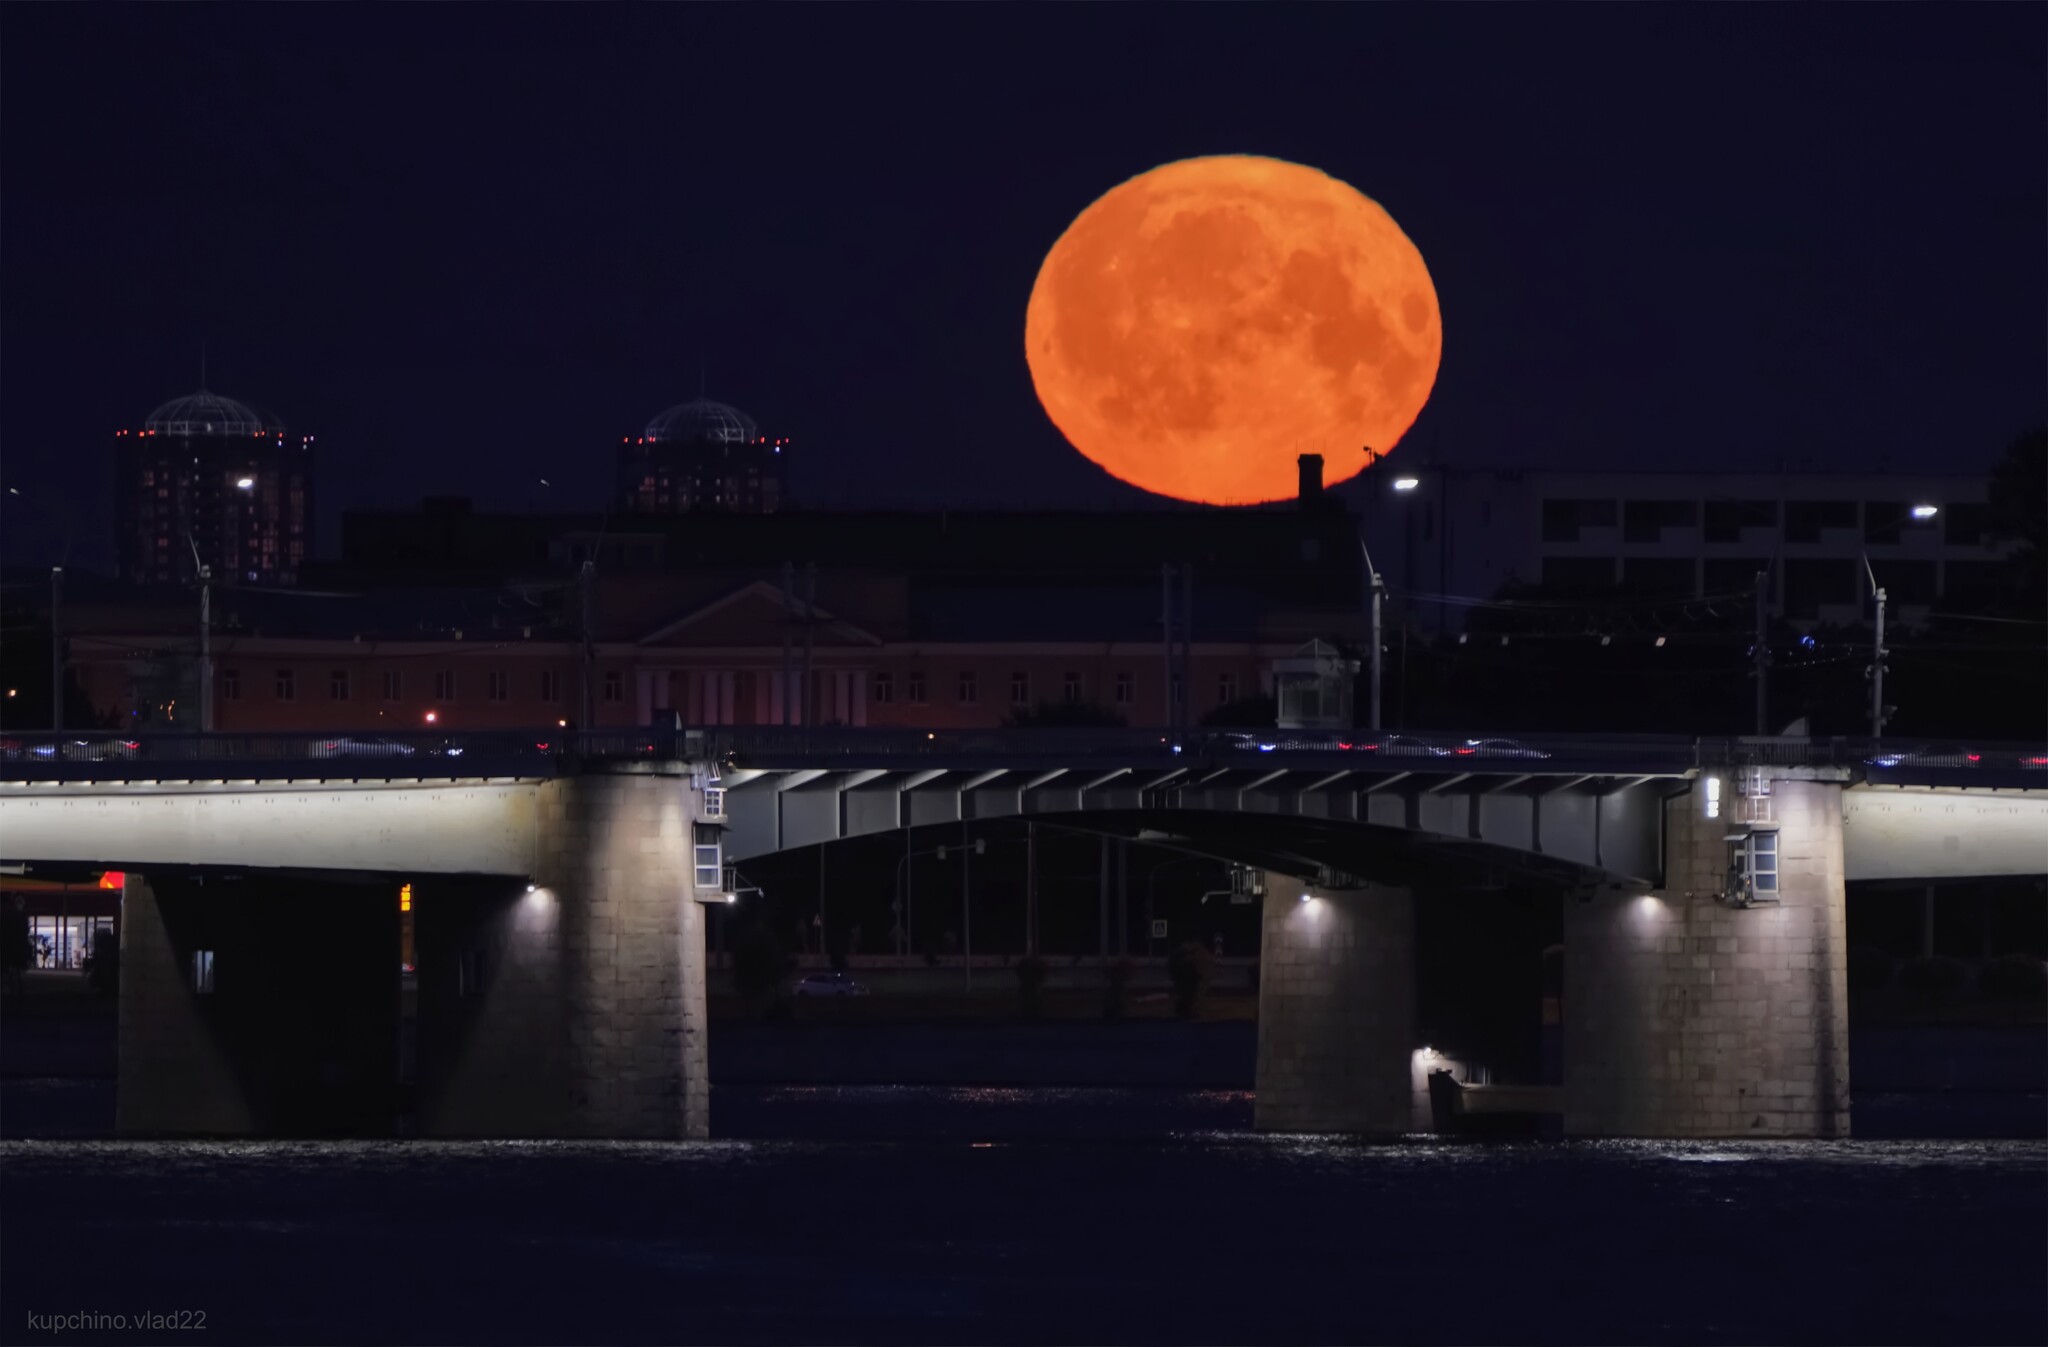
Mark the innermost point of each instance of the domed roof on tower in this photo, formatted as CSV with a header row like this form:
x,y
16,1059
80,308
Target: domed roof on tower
x,y
205,413
702,420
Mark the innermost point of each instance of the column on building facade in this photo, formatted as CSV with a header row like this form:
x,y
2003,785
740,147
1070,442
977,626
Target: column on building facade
x,y
1336,1009
572,1004
1686,1016
643,696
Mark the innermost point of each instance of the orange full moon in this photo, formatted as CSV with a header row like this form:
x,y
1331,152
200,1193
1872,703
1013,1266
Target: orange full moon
x,y
1198,327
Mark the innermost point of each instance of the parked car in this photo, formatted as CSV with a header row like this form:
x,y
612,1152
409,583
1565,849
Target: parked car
x,y
828,984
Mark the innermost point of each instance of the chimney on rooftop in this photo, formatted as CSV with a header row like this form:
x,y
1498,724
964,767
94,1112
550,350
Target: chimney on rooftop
x,y
1309,495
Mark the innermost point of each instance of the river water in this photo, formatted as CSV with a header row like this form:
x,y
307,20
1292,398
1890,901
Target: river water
x,y
949,1215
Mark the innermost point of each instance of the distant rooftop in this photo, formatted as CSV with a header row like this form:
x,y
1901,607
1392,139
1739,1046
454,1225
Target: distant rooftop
x,y
205,413
702,421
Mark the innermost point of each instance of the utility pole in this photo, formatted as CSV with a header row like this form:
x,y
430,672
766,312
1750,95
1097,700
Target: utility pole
x,y
205,573
56,648
1877,654
1172,710
805,703
978,846
1187,647
206,649
589,587
1375,588
1102,894
1405,612
788,633
966,912
1761,651
1030,888
1123,897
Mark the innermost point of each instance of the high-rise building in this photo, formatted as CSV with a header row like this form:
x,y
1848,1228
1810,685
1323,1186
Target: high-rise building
x,y
701,457
214,482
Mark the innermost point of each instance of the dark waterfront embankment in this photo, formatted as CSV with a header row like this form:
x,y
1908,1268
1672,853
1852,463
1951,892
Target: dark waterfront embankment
x,y
1938,1081
1156,1053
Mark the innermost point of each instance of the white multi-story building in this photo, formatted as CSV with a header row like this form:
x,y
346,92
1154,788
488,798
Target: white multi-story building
x,y
1447,536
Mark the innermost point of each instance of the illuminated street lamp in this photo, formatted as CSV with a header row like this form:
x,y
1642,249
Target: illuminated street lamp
x,y
245,483
1407,483
1879,712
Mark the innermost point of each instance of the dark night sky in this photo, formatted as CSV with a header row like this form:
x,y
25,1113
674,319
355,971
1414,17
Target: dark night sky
x,y
469,247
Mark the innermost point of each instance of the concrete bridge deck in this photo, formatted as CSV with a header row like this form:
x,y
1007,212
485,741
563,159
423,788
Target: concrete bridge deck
x,y
1576,810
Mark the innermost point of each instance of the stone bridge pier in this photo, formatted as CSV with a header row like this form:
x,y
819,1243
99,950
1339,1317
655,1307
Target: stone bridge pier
x,y
573,1006
1713,1005
567,1001
1686,1015
1336,1009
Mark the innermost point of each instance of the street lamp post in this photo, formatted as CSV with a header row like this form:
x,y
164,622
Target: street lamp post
x,y
205,573
905,890
1877,654
1376,588
979,846
1172,708
1030,888
206,649
57,660
903,901
56,649
1878,711
1406,485
1760,651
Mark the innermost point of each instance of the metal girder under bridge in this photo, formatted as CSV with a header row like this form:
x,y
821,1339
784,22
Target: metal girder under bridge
x,y
1581,829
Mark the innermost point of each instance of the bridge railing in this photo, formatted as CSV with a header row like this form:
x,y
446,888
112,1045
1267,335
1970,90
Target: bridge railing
x,y
449,753
139,752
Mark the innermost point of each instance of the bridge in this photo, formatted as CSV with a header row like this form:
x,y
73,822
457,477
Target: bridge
x,y
1578,810
559,878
